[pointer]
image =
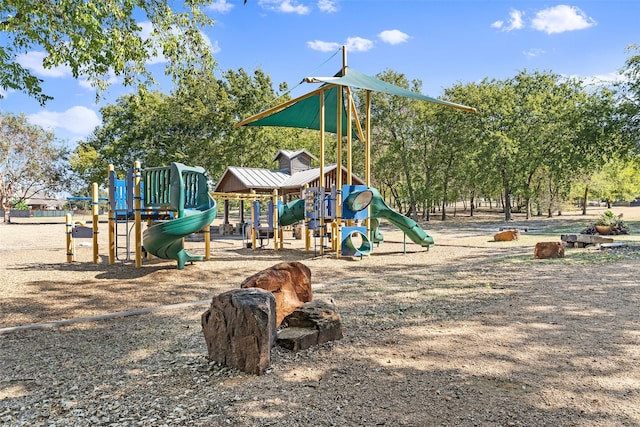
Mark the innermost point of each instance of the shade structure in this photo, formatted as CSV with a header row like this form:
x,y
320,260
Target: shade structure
x,y
303,112
354,78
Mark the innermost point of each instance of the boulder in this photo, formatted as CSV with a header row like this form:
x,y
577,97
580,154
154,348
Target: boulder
x,y
240,328
313,323
290,283
507,235
545,250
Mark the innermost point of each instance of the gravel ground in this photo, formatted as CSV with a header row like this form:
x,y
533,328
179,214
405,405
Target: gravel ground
x,y
469,333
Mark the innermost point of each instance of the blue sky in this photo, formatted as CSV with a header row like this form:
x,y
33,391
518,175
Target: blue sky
x,y
439,42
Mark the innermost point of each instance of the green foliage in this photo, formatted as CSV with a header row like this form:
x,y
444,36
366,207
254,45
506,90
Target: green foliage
x,y
98,38
194,124
19,205
617,180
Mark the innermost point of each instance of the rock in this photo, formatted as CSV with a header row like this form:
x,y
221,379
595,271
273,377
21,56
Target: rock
x,y
240,328
297,339
313,323
290,283
507,235
545,250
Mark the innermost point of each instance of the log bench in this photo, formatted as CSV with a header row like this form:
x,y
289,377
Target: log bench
x,y
577,240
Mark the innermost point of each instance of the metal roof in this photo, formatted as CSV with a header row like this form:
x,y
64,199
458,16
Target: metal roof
x,y
290,154
257,178
254,178
299,179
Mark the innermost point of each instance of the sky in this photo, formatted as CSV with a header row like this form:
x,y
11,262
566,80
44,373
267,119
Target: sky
x,y
440,42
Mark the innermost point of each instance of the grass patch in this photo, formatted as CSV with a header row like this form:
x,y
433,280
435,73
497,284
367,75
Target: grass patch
x,y
583,256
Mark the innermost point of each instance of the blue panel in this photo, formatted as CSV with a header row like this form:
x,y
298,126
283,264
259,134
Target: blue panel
x,y
346,212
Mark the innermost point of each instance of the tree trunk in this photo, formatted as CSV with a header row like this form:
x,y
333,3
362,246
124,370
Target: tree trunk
x,y
473,203
507,199
584,199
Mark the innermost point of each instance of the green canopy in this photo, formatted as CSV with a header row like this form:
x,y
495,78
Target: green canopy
x,y
304,112
355,78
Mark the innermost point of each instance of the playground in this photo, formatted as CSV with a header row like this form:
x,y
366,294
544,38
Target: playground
x,y
470,332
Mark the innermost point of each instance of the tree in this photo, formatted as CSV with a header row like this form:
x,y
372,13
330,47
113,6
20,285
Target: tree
x,y
31,162
98,38
628,93
394,120
194,124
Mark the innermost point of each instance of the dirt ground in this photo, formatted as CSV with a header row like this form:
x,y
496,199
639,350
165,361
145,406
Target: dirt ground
x,y
470,333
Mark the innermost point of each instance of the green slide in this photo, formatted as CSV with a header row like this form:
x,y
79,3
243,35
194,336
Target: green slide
x,y
196,209
379,209
291,213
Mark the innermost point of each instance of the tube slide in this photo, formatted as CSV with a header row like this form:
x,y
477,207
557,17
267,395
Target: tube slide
x,y
164,240
379,209
291,213
355,242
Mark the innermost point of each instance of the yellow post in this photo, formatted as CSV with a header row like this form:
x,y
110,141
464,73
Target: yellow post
x,y
349,139
95,217
349,142
137,177
69,230
335,231
207,241
276,220
321,179
367,158
112,225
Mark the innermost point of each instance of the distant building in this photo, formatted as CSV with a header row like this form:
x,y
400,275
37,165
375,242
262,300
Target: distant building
x,y
294,173
41,201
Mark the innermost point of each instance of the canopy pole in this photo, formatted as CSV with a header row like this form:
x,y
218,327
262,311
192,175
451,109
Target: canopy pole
x,y
338,202
353,110
344,60
349,139
321,183
367,158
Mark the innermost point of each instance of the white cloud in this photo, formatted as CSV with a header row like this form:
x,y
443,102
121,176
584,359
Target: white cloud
x,y
215,47
532,53
78,120
84,83
323,46
146,30
561,18
515,22
285,6
33,61
146,34
358,44
393,36
328,6
220,6
602,79
354,44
